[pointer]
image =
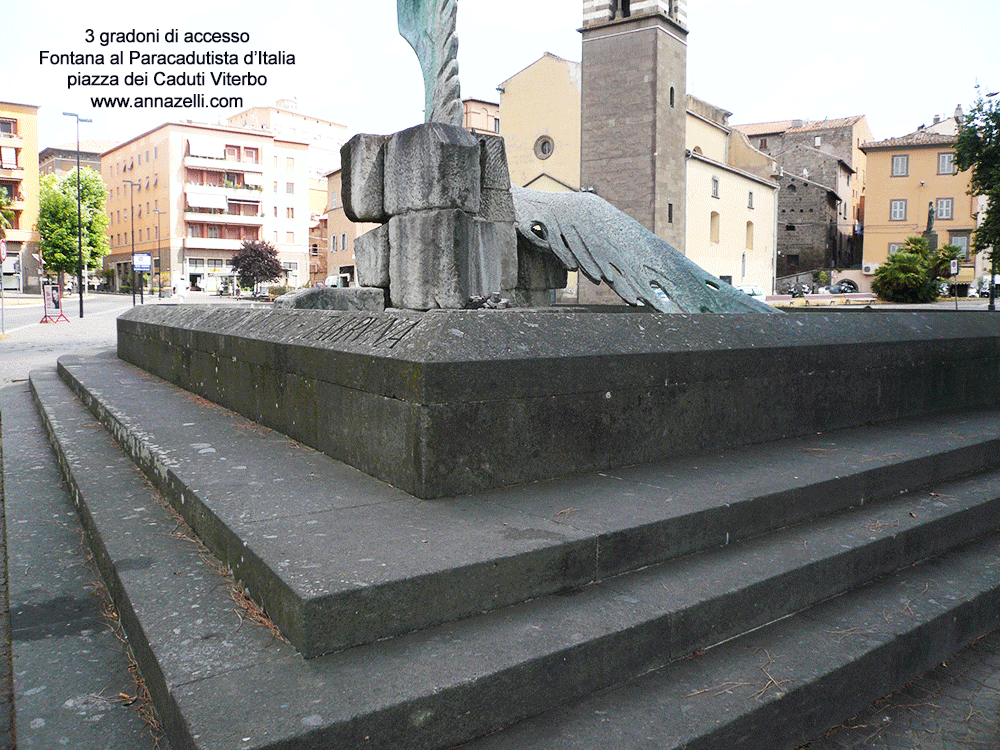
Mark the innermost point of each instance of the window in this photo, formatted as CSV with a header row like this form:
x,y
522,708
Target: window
x,y
749,243
672,96
250,155
792,262
496,124
670,213
289,162
333,243
961,241
156,151
275,212
232,153
763,144
817,141
750,199
715,187
314,249
895,247
789,227
946,163
713,227
8,127
8,157
289,213
897,210
544,146
743,268
290,238
290,188
215,264
900,165
946,208
343,242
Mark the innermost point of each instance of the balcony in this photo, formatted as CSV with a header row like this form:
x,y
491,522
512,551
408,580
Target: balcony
x,y
246,194
211,243
8,139
221,165
224,218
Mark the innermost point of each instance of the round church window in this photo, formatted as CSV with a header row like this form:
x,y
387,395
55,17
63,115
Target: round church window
x,y
544,147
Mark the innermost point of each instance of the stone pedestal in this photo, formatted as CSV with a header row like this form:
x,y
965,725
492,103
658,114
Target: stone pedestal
x,y
442,197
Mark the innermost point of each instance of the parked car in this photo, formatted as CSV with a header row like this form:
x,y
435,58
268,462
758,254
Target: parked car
x,y
754,291
844,287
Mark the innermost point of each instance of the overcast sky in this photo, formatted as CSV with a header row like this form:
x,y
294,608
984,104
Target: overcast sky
x,y
899,62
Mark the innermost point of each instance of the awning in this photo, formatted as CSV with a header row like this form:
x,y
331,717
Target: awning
x,y
205,200
208,147
252,178
8,157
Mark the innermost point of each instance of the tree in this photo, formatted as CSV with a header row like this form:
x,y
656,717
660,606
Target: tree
x,y
911,274
257,262
57,221
6,214
978,149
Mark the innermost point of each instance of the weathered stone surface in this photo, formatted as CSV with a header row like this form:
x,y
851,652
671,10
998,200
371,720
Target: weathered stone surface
x,y
497,204
371,257
429,259
432,166
363,162
499,397
335,298
537,271
492,256
493,162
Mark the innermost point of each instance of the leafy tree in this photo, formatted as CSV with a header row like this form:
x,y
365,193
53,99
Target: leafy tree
x,y
57,221
6,214
911,274
257,262
978,149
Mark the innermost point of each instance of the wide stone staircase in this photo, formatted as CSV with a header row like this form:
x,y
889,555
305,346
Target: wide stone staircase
x,y
752,598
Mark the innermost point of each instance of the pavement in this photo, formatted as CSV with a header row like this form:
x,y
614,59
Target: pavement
x,y
46,576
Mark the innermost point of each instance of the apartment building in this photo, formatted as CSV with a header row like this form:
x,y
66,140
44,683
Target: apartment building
x,y
189,195
19,185
912,179
61,160
283,120
480,116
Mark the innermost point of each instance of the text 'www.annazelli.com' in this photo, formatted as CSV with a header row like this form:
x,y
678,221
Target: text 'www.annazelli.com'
x,y
178,102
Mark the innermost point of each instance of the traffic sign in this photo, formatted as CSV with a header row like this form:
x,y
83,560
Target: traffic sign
x,y
3,250
143,262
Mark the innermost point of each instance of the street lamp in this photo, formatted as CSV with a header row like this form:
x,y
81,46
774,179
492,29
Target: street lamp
x,y
79,211
159,252
131,212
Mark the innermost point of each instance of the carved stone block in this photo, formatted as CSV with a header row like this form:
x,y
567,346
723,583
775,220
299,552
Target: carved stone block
x,y
432,166
362,167
496,204
493,162
371,257
428,259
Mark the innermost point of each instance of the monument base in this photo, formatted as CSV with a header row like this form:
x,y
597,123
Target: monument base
x,y
451,402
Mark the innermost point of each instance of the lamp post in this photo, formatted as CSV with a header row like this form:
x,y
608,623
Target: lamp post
x,y
159,252
79,211
131,212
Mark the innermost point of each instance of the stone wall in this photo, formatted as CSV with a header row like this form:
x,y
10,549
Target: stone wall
x,y
451,402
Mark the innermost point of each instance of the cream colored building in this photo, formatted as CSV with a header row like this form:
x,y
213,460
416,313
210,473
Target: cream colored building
x,y
204,189
731,200
283,120
19,183
540,124
480,116
908,178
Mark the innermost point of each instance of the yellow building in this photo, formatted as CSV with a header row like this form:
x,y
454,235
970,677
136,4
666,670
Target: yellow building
x,y
731,200
540,124
190,194
910,178
19,184
342,233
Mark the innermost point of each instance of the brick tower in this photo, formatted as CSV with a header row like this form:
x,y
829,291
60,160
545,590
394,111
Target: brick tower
x,y
633,109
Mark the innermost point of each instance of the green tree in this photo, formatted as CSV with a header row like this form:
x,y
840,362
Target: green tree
x,y
978,149
57,221
6,214
911,274
257,262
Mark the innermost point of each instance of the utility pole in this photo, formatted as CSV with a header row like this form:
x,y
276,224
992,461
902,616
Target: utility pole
x,y
79,211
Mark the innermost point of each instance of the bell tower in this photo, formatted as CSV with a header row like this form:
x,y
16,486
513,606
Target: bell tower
x,y
634,94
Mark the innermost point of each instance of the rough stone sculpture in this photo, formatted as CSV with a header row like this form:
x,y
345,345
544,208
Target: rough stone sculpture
x,y
586,233
429,27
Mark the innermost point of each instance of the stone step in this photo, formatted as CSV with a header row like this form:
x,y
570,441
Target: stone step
x,y
785,684
216,681
340,559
